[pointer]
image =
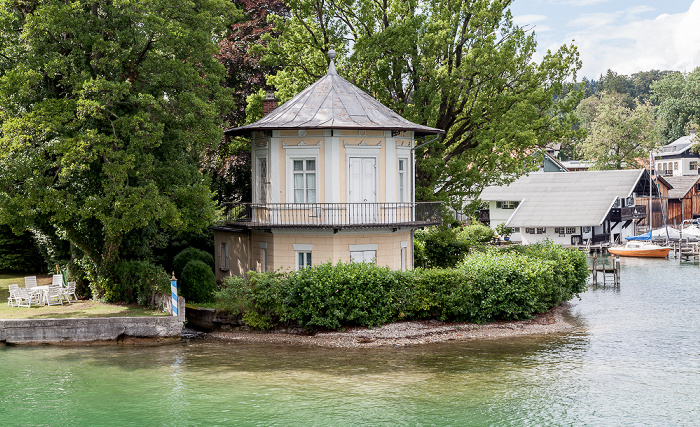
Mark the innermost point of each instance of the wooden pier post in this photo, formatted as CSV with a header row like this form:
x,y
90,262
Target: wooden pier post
x,y
617,270
595,269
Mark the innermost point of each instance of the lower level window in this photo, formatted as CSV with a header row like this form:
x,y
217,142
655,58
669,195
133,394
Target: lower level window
x,y
363,256
303,260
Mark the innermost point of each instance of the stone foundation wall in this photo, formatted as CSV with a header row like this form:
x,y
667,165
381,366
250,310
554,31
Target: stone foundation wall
x,y
85,330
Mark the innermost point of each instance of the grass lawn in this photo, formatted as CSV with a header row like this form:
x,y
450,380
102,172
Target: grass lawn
x,y
83,308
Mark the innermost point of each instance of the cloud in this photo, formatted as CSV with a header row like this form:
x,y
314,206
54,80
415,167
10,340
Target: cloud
x,y
622,42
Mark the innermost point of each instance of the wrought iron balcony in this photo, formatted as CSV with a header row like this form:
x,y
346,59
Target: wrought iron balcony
x,y
333,215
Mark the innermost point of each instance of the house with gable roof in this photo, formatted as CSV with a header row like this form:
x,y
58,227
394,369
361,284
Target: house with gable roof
x,y
333,180
676,158
572,207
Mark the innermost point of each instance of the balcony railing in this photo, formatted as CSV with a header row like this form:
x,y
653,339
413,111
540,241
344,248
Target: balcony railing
x,y
334,215
628,213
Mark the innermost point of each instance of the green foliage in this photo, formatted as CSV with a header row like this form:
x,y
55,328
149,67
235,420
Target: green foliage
x,y
513,283
19,254
439,247
476,234
464,67
617,134
136,282
572,268
503,231
331,296
105,110
198,283
679,104
191,254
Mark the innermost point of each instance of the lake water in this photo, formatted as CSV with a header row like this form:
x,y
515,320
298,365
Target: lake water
x,y
633,360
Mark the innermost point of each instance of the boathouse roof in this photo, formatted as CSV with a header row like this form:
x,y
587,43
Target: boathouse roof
x,y
681,185
568,199
333,103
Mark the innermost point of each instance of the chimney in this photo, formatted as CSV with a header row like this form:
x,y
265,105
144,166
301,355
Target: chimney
x,y
269,103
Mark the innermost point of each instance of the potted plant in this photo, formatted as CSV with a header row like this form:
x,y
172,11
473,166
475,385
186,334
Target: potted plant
x,y
504,231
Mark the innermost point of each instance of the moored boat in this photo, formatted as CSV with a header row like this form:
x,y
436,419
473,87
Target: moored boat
x,y
640,248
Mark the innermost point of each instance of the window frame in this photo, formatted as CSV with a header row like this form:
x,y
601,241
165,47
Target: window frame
x,y
224,259
304,173
402,176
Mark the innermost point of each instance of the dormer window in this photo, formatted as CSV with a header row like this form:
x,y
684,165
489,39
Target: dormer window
x,y
304,180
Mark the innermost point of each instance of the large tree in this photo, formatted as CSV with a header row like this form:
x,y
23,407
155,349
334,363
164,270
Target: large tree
x,y
618,136
461,66
678,99
105,107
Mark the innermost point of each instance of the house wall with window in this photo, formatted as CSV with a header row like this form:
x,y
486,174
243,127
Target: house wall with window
x,y
332,166
292,249
232,255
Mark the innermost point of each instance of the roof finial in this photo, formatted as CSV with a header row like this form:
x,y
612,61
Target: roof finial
x,y
331,55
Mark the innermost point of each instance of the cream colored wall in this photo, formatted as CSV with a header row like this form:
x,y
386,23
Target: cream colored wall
x,y
335,247
239,253
332,185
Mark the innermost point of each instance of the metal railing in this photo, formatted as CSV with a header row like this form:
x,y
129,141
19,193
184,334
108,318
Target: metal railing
x,y
334,215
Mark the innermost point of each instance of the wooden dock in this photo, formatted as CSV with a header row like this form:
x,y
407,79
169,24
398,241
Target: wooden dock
x,y
685,250
610,272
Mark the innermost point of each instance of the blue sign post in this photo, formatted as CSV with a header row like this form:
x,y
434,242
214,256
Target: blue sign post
x,y
173,291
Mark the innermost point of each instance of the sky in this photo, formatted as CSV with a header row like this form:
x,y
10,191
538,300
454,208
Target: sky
x,y
626,36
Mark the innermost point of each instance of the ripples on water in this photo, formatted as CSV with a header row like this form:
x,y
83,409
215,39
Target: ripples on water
x,y
634,360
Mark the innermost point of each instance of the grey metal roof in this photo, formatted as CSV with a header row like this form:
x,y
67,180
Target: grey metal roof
x,y
681,185
333,103
567,199
677,147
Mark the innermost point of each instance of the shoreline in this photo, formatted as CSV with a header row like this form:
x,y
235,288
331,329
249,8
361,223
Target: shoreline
x,y
408,333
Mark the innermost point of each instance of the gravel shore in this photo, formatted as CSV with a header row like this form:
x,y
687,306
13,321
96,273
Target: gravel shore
x,y
409,333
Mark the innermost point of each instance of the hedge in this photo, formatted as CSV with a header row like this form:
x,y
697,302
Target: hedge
x,y
492,285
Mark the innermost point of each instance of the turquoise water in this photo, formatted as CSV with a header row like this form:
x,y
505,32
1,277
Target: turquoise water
x,y
633,360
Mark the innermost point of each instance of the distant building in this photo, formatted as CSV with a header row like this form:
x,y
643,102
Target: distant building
x,y
676,158
577,165
570,208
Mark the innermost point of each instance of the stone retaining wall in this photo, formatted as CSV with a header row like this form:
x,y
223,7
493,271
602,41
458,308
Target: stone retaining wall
x,y
83,330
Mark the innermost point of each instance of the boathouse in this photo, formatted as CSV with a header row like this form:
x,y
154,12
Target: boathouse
x,y
333,180
570,208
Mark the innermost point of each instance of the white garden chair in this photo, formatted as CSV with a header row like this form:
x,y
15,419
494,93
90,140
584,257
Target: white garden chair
x,y
70,290
14,299
57,280
27,297
30,282
54,296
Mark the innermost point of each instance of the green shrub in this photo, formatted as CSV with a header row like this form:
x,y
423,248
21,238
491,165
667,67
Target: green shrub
x,y
490,285
259,300
198,283
444,294
508,286
190,254
331,296
135,281
571,273
476,234
439,247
